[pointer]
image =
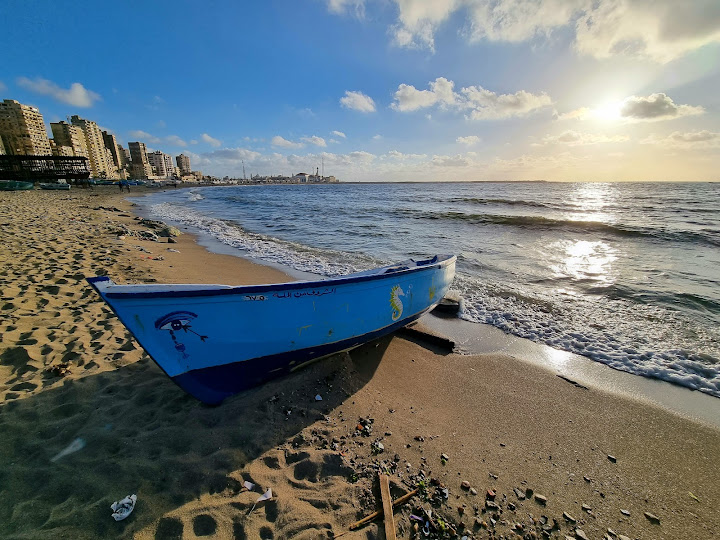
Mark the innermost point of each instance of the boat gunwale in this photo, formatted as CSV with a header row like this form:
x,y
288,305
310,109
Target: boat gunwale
x,y
273,287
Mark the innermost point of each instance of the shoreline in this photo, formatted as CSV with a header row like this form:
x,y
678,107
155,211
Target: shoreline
x,y
478,338
70,372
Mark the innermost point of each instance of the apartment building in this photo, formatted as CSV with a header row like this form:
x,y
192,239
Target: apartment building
x,y
140,167
67,135
183,163
99,166
22,130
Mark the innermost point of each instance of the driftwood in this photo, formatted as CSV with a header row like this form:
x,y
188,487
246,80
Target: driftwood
x,y
367,519
387,507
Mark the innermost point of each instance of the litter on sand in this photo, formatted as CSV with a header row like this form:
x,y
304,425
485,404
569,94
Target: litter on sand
x,y
77,444
122,509
248,485
264,497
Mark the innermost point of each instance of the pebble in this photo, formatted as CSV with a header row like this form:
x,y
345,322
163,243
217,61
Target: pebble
x,y
586,508
479,522
519,494
612,458
541,499
465,484
625,512
568,517
623,537
444,457
653,518
580,534
586,478
490,494
473,491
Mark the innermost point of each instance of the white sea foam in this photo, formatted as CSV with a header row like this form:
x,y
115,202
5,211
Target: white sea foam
x,y
265,248
551,324
194,196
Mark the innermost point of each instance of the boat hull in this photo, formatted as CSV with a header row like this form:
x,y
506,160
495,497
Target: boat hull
x,y
215,341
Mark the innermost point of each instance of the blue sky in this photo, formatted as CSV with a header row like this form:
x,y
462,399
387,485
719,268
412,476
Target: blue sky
x,y
386,89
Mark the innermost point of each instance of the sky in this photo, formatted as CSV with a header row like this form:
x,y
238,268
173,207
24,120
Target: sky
x,y
385,90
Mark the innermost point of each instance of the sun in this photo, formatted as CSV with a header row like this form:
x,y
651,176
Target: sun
x,y
609,111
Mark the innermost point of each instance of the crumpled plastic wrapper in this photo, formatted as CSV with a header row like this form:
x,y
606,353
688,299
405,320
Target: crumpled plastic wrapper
x,y
122,509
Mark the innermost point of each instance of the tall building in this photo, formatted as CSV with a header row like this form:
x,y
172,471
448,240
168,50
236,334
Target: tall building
x,y
95,144
183,163
60,150
22,130
66,134
158,163
140,167
112,145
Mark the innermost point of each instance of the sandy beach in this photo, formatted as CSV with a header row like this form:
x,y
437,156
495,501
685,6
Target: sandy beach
x,y
87,418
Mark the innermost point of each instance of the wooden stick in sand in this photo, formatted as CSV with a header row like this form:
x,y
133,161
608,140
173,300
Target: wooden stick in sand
x,y
387,507
367,519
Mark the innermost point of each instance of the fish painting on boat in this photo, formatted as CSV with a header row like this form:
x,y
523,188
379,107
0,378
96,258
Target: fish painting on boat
x,y
217,340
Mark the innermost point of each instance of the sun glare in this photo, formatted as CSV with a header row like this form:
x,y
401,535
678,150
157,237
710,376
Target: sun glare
x,y
608,112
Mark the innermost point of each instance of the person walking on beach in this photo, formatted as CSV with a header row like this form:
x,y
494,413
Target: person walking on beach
x,y
124,183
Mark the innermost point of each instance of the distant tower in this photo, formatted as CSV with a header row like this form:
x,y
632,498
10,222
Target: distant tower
x,y
183,163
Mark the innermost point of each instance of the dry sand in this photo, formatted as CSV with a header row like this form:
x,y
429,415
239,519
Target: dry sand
x,y
72,376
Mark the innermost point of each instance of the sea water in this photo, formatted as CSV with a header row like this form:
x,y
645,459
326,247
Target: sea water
x,y
624,274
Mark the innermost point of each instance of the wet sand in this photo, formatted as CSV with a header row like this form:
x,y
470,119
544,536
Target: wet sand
x,y
72,378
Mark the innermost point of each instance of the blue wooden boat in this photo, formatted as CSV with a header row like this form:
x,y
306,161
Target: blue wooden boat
x,y
56,186
217,340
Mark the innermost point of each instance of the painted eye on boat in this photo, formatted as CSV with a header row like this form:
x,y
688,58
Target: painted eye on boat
x,y
176,320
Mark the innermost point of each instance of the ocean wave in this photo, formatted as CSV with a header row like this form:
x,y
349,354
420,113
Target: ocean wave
x,y
506,202
590,331
300,257
540,222
194,196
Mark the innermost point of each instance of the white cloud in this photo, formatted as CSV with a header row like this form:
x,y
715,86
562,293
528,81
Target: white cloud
x,y
578,114
193,141
339,134
175,140
317,141
2,87
451,161
144,136
482,104
210,140
357,101
345,6
377,137
394,154
469,140
655,107
574,138
660,30
408,98
692,139
281,142
76,95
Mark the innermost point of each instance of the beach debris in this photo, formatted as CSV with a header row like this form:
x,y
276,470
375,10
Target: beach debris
x,y
122,509
248,485
580,534
378,447
173,250
541,499
367,519
77,444
569,518
612,459
444,458
59,370
490,494
264,497
473,491
586,508
624,512
693,496
519,494
318,397
652,518
387,505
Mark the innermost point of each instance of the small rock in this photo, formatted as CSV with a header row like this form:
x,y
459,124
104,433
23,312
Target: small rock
x,y
613,459
461,510
652,518
528,493
473,491
580,534
465,484
569,518
519,494
611,532
586,508
490,495
586,478
444,457
623,537
541,499
511,506
625,512
479,522
378,447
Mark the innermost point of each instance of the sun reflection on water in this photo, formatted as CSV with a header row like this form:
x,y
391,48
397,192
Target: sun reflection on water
x,y
584,260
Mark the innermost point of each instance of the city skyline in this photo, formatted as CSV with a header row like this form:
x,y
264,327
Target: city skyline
x,y
382,91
